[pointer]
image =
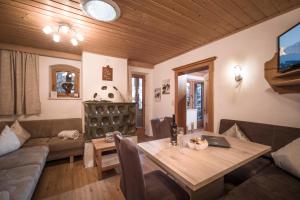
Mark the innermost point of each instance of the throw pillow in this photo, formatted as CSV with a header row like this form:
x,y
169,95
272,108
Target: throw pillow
x,y
287,158
21,133
236,132
8,141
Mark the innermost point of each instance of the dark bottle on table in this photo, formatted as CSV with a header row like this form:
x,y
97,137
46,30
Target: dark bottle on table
x,y
173,130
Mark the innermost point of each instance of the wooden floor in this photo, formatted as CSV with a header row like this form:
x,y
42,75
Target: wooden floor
x,y
61,180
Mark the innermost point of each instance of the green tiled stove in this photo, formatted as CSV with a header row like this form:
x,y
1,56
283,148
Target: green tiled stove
x,y
102,117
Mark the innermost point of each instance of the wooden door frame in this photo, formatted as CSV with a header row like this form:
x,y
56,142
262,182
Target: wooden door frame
x,y
143,77
206,64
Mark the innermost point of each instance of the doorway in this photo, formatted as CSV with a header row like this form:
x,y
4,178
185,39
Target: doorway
x,y
196,106
138,97
194,95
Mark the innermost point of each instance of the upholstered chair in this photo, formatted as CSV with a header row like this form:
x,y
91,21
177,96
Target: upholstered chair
x,y
139,186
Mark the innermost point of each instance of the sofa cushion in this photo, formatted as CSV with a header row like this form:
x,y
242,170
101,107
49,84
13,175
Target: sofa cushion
x,y
287,158
236,132
20,182
37,142
24,156
48,128
51,128
21,133
6,175
9,141
246,171
271,183
271,135
60,144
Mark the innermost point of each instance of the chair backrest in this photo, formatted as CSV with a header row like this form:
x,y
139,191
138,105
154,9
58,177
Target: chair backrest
x,y
155,127
117,139
165,127
161,129
132,173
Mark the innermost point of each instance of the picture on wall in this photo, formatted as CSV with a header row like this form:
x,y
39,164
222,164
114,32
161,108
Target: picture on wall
x,y
166,86
157,94
107,73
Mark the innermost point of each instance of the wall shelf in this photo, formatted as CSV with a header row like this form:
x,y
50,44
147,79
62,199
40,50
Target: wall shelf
x,y
295,72
287,83
283,83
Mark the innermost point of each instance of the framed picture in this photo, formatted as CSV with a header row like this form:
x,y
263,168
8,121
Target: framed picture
x,y
166,86
157,94
107,73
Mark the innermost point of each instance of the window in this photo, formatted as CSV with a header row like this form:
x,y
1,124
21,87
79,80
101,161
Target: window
x,y
65,81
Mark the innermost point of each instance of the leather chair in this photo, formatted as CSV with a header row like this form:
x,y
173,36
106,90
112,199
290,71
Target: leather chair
x,y
161,129
117,139
139,186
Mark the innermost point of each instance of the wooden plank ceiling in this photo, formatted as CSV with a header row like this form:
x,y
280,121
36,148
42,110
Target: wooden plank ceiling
x,y
148,31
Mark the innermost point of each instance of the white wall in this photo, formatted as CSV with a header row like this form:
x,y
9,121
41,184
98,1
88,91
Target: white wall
x,y
254,100
193,77
53,109
149,95
92,73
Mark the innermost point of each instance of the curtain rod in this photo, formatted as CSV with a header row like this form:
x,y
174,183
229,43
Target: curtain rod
x,y
41,52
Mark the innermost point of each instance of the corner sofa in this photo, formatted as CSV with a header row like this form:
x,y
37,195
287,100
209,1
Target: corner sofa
x,y
44,132
261,178
20,170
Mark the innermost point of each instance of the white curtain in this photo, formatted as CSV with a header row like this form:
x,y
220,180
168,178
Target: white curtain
x,y
19,83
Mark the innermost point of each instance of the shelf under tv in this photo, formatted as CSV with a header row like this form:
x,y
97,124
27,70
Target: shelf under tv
x,y
295,72
292,82
283,83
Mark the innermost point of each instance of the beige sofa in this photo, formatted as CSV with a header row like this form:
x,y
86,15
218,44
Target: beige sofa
x,y
44,132
20,170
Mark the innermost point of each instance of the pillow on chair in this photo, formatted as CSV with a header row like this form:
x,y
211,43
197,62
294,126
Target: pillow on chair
x,y
236,132
8,141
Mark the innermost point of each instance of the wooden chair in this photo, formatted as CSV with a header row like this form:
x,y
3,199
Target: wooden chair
x,y
139,186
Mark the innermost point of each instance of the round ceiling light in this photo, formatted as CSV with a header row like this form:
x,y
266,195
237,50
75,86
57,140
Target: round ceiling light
x,y
102,10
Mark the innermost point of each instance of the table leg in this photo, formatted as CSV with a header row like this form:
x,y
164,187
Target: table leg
x,y
98,160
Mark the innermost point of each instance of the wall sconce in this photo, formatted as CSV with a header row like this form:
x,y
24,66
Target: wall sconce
x,y
238,73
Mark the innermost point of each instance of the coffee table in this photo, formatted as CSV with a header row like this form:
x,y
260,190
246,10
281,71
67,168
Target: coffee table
x,y
108,161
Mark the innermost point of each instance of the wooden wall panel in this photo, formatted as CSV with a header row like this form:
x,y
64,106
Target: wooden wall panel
x,y
148,31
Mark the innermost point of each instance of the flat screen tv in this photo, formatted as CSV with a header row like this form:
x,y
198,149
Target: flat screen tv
x,y
289,49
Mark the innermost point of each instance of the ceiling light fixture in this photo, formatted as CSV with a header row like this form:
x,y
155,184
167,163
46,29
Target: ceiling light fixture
x,y
74,42
238,73
102,10
79,37
56,37
56,32
64,28
47,29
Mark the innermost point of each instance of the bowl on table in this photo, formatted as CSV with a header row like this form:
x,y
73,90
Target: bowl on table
x,y
198,143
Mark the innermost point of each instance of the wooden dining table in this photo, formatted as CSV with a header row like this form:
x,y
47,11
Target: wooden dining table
x,y
201,172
